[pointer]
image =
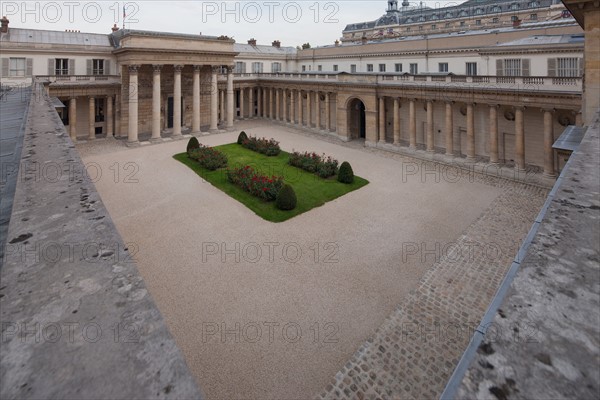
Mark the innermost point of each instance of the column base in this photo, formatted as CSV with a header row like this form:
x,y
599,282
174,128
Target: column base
x,y
471,159
229,128
412,147
135,143
156,140
214,130
431,151
549,175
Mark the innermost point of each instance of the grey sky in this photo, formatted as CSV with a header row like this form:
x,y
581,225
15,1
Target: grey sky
x,y
291,22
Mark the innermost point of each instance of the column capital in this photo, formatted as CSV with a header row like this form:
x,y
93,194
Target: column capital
x,y
157,68
177,67
494,106
451,102
519,107
215,69
133,68
229,69
197,68
548,109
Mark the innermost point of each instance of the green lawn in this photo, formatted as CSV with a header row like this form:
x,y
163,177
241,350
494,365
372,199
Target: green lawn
x,y
311,190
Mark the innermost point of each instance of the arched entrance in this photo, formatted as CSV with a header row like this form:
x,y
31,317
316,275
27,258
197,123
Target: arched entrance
x,y
356,119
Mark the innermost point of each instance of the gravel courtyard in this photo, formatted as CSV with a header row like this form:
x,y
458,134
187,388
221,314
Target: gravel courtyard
x,y
265,310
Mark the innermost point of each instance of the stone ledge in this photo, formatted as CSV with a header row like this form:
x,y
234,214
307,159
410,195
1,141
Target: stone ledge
x,y
77,320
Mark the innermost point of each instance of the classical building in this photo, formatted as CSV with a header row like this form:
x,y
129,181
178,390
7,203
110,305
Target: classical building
x,y
499,96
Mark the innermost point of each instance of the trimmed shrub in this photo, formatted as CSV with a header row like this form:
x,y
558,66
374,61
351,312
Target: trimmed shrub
x,y
286,198
208,157
312,162
193,144
268,147
346,175
242,137
254,183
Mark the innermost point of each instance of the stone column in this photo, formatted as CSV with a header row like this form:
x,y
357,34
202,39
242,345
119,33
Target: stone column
x,y
318,110
251,111
196,100
396,115
494,134
156,102
214,100
242,103
309,109
177,101
381,120
272,104
327,113
117,115
412,123
430,133
277,104
73,118
109,117
548,142
285,106
133,104
300,109
292,109
265,111
92,119
470,133
449,130
519,139
229,98
222,106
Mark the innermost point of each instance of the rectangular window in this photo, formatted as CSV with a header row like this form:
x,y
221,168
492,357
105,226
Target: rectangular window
x,y
381,67
442,67
99,107
567,67
240,67
447,25
420,27
17,67
512,67
433,27
257,67
353,68
477,22
398,67
533,17
369,67
462,23
335,68
496,20
275,67
471,68
304,68
414,68
61,66
97,67
319,68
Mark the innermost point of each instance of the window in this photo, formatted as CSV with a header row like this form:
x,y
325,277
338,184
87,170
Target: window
x,y
463,14
398,67
304,68
471,68
434,17
496,9
514,18
421,19
496,20
335,68
61,66
319,68
99,110
409,21
353,68
414,68
433,27
477,22
257,67
369,67
567,67
533,4
97,67
275,67
381,67
479,11
514,6
462,23
240,68
408,29
512,67
533,17
420,27
17,67
443,67
447,25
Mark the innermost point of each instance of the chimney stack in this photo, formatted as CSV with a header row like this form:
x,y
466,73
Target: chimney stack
x,y
4,26
115,28
252,42
276,43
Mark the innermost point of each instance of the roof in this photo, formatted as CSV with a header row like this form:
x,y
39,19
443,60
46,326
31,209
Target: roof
x,y
570,139
20,35
545,40
263,49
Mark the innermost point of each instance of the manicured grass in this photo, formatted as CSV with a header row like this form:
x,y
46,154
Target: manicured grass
x,y
311,190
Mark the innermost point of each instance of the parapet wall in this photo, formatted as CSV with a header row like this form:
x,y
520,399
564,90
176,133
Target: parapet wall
x,y
77,320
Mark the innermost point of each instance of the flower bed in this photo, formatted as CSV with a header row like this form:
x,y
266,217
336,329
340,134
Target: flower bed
x,y
323,166
208,157
254,183
268,147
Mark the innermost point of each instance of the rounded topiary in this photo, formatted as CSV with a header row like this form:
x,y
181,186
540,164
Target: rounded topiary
x,y
286,198
193,144
346,175
242,137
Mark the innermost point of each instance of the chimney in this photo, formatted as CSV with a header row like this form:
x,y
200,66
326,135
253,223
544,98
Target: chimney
x,y
364,39
516,23
115,28
252,42
337,43
276,43
4,26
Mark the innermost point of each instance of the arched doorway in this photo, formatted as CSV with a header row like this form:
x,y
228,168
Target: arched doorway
x,y
356,119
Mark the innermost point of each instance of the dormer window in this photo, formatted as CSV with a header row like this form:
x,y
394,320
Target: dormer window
x,y
409,21
479,11
463,13
533,4
434,17
421,18
496,9
448,15
514,6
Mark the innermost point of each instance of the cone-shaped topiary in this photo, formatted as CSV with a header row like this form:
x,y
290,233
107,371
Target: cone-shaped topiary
x,y
286,198
193,144
242,137
346,175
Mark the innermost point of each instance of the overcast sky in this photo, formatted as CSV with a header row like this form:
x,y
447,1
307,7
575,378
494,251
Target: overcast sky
x,y
291,22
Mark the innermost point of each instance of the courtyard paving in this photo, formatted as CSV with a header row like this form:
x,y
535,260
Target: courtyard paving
x,y
264,310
